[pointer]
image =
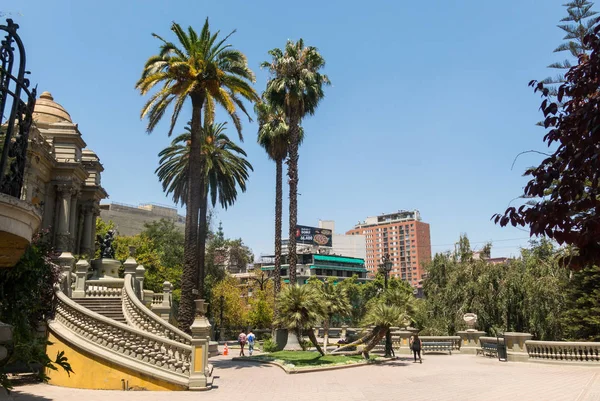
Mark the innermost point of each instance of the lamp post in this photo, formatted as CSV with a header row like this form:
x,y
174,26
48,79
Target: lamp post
x,y
386,266
222,300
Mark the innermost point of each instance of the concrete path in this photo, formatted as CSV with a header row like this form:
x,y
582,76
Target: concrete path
x,y
440,377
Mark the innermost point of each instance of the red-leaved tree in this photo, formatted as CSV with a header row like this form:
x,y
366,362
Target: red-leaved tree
x,y
567,182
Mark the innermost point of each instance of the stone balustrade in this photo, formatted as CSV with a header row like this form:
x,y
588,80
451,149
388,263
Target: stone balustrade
x,y
104,288
157,299
563,351
138,315
156,351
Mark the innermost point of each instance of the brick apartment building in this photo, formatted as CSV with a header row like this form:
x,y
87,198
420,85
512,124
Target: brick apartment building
x,y
404,236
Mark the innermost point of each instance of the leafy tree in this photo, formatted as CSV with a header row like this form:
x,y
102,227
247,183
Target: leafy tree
x,y
273,136
301,308
235,313
567,181
577,24
261,303
583,310
207,71
296,87
26,301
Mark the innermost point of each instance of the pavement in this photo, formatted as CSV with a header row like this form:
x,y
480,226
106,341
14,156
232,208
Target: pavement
x,y
440,377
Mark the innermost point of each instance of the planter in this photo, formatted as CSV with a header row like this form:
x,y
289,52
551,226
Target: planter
x,y
18,221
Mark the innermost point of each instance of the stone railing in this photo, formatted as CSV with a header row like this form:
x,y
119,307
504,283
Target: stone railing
x,y
104,288
563,351
157,299
138,315
130,342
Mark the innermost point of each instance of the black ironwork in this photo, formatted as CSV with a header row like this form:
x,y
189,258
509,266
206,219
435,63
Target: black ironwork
x,y
15,129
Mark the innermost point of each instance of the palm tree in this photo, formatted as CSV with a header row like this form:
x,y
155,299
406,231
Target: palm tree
x,y
301,308
381,317
273,137
225,169
335,303
207,71
296,85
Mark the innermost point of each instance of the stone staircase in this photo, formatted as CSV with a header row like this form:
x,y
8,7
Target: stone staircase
x,y
111,308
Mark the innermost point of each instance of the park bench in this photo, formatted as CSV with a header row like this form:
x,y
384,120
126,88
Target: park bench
x,y
489,349
437,346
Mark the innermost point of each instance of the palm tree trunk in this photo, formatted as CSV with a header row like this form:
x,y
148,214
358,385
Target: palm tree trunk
x,y
380,333
313,339
202,232
190,253
293,181
278,213
326,324
364,339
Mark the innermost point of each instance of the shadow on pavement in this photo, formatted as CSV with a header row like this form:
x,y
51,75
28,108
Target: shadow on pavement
x,y
22,395
231,364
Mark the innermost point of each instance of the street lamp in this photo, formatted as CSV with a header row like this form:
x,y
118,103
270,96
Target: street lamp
x,y
222,300
386,266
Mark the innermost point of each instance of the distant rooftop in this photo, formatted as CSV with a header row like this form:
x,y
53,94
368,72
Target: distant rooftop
x,y
400,215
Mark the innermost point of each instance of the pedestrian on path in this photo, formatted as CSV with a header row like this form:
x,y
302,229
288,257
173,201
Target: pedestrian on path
x,y
251,338
242,341
415,345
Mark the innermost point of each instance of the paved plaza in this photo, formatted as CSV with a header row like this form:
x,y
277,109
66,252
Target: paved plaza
x,y
440,377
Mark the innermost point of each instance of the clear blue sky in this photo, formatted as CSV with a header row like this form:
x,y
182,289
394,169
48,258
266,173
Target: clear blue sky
x,y
428,108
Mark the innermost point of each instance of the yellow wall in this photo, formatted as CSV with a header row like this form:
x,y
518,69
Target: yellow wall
x,y
92,372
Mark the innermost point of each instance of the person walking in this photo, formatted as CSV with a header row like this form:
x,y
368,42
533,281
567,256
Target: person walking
x,y
242,339
250,338
415,345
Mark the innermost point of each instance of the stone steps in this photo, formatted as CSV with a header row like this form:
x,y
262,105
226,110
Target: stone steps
x,y
107,307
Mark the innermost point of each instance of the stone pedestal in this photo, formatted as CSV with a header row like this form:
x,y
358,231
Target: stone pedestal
x,y
66,262
280,336
469,340
292,343
404,336
515,346
81,269
106,268
199,370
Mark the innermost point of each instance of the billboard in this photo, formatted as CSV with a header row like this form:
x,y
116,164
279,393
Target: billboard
x,y
313,236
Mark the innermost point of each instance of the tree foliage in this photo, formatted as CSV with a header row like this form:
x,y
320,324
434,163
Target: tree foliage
x,y
26,301
526,294
567,181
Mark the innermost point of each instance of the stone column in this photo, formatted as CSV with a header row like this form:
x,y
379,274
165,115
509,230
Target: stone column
x,y
515,346
66,262
87,242
404,347
167,294
344,331
64,213
470,341
140,271
199,370
73,220
81,269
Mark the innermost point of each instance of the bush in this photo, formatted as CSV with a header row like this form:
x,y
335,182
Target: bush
x,y
269,345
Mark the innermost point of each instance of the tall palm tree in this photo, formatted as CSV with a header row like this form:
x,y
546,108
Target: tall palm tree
x,y
225,169
296,85
273,136
301,308
207,71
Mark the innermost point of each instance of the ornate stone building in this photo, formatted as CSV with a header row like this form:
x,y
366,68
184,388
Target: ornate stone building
x,y
62,178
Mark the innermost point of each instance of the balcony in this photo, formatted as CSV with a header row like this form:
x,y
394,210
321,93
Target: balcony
x,y
18,222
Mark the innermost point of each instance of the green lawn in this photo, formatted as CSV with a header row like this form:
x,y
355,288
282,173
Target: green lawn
x,y
308,358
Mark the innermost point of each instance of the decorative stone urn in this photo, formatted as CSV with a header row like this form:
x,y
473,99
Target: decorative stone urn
x,y
471,320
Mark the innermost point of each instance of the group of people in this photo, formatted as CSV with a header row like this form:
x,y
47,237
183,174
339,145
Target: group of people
x,y
244,339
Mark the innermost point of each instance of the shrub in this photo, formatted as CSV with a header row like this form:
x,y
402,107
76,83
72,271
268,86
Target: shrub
x,y
269,345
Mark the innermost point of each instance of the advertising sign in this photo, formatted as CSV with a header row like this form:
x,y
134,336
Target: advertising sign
x,y
313,236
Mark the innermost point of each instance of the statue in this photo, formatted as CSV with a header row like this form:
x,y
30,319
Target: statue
x,y
107,251
470,319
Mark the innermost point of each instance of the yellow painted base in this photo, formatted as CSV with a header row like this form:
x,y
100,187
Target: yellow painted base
x,y
92,372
